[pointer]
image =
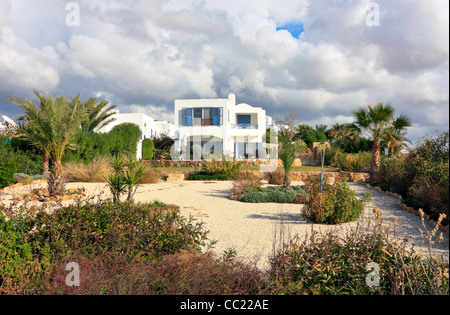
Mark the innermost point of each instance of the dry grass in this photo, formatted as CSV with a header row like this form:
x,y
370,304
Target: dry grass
x,y
95,172
276,178
151,176
242,182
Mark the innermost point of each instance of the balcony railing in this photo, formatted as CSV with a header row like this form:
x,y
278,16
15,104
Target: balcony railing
x,y
244,126
203,122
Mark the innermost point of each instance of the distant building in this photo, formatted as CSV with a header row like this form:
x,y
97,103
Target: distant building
x,y
149,127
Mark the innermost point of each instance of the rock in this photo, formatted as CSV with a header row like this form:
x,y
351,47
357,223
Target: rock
x,y
175,177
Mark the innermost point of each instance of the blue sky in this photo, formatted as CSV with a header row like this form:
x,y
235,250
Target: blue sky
x,y
295,28
141,55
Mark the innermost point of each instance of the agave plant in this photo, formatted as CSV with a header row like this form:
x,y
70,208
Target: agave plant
x,y
50,126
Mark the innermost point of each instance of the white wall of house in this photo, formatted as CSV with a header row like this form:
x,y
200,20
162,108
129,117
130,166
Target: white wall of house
x,y
242,127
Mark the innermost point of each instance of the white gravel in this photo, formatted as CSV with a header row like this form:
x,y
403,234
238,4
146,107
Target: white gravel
x,y
255,230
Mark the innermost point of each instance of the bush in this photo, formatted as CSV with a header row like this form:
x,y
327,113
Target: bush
x,y
276,178
421,177
327,264
96,171
182,273
148,149
359,162
33,242
272,194
227,168
152,176
122,139
206,176
7,171
14,160
337,204
243,182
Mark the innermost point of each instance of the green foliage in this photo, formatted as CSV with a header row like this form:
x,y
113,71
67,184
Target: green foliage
x,y
337,204
126,176
359,162
14,160
211,177
275,194
421,177
122,139
229,169
286,152
88,147
148,149
309,135
34,242
22,159
7,171
327,264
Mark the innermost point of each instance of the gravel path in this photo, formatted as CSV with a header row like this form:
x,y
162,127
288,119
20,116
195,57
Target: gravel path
x,y
255,230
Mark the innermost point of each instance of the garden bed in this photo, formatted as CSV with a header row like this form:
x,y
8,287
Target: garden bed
x,y
277,194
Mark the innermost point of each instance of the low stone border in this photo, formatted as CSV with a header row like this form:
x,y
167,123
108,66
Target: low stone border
x,y
11,187
411,210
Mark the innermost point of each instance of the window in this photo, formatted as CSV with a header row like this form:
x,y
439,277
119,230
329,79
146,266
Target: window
x,y
244,119
207,113
198,113
202,116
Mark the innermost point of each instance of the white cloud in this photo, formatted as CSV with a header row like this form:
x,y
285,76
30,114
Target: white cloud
x,y
24,67
152,52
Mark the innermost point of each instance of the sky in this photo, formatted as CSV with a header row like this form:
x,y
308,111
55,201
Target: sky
x,y
320,59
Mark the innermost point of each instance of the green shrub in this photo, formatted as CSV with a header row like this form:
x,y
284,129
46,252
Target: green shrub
x,y
242,182
223,167
328,264
206,176
357,162
7,171
122,139
421,177
337,204
148,149
13,158
33,242
275,194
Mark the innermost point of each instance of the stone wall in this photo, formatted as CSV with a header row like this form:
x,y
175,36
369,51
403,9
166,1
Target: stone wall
x,y
245,163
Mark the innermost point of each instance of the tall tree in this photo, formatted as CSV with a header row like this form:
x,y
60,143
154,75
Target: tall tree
x,y
395,135
51,127
98,114
375,121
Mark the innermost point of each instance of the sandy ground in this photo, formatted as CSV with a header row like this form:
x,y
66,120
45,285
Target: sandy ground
x,y
255,230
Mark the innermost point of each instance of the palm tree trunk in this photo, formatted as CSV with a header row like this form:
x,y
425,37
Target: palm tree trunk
x,y
45,164
56,182
375,165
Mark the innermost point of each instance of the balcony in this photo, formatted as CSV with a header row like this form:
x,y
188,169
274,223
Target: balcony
x,y
245,126
203,122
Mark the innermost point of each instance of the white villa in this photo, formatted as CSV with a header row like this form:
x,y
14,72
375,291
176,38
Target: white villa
x,y
217,126
220,126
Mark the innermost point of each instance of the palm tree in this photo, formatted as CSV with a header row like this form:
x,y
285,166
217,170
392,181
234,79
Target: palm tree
x,y
395,135
287,146
51,127
98,114
375,121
